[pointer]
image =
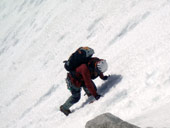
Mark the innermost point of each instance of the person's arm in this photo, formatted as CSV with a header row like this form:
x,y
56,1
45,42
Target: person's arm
x,y
87,79
103,77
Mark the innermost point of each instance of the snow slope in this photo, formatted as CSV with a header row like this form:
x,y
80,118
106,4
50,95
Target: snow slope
x,y
37,35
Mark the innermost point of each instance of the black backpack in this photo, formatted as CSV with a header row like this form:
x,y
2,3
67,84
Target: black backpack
x,y
80,56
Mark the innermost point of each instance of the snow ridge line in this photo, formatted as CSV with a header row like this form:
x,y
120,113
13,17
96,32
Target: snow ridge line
x,y
130,26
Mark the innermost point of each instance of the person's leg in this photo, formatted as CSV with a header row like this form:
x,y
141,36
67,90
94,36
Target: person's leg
x,y
74,98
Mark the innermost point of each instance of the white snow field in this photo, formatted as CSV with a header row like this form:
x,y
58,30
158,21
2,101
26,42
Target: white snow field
x,y
36,36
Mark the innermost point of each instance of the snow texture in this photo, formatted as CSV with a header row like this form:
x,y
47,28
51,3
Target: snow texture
x,y
36,36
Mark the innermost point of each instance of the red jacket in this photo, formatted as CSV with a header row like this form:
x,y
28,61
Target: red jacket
x,y
83,74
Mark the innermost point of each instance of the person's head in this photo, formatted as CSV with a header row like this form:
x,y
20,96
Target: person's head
x,y
97,65
102,65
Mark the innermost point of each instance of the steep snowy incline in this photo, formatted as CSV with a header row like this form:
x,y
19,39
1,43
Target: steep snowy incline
x,y
37,35
146,55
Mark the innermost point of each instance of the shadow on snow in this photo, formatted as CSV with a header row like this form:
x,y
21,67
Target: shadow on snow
x,y
112,81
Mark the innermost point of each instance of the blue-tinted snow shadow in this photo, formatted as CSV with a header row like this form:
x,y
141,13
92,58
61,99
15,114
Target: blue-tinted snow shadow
x,y
112,81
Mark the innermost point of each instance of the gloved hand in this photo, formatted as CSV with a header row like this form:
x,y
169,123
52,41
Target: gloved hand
x,y
97,97
106,77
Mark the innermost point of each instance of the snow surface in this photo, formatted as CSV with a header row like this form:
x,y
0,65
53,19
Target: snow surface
x,y
37,35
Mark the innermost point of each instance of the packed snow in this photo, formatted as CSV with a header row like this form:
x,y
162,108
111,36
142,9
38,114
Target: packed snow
x,y
36,36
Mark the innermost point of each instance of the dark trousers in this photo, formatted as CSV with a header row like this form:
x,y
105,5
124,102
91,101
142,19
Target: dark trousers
x,y
75,93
